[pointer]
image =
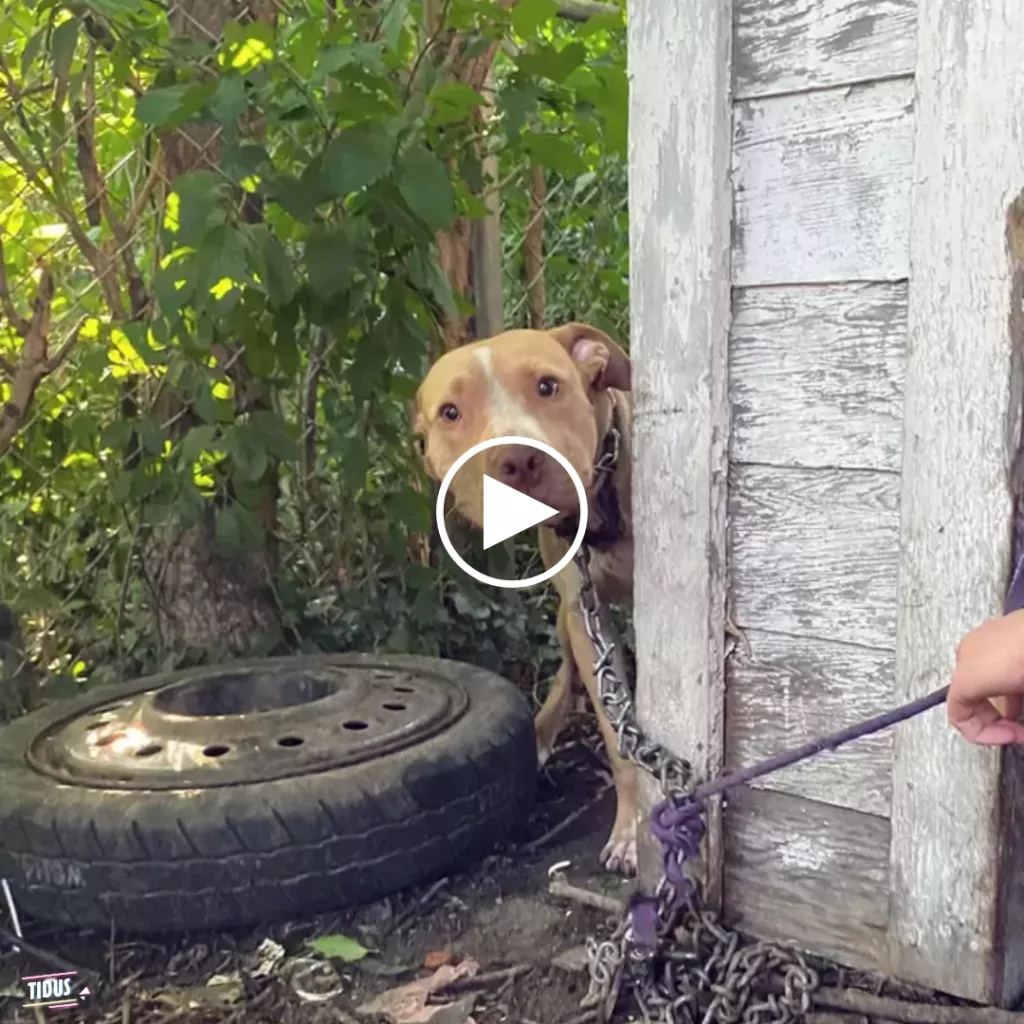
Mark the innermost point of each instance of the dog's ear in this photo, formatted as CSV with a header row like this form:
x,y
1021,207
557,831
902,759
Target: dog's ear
x,y
600,358
419,430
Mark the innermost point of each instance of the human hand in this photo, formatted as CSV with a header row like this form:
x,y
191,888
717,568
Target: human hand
x,y
987,688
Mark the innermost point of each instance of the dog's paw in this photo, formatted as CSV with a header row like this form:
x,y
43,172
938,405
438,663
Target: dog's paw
x,y
619,853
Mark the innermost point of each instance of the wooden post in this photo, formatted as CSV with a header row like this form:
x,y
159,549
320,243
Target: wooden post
x,y
488,293
533,250
957,901
680,203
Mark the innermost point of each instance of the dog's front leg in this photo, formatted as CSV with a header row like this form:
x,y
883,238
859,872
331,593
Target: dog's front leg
x,y
551,718
619,853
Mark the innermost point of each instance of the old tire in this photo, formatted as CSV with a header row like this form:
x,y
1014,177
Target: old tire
x,y
78,853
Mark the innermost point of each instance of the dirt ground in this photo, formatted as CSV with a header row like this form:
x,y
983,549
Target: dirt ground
x,y
499,920
500,916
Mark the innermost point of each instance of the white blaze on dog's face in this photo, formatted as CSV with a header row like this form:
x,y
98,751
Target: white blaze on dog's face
x,y
541,385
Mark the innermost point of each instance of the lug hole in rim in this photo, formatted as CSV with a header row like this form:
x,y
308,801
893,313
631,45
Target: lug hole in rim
x,y
290,741
393,705
215,750
403,689
149,750
355,726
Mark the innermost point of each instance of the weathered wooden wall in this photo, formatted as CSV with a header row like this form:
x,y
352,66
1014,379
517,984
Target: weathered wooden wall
x,y
823,127
958,901
827,404
679,279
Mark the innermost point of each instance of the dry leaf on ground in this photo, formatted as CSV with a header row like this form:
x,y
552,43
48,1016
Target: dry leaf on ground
x,y
407,1004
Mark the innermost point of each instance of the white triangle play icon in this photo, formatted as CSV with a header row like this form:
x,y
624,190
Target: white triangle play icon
x,y
508,512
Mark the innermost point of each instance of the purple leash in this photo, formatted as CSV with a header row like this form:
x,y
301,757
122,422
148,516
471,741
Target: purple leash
x,y
679,824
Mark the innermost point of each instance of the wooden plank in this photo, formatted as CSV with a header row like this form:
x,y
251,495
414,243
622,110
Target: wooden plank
x,y
680,212
794,45
816,375
963,404
804,872
822,184
789,691
813,552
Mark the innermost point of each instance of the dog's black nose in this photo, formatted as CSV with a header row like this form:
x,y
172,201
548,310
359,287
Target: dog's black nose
x,y
517,465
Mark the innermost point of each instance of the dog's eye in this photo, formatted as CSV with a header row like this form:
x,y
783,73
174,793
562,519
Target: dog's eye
x,y
547,387
448,412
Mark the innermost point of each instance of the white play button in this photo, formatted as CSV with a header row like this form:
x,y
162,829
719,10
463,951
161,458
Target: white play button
x,y
508,512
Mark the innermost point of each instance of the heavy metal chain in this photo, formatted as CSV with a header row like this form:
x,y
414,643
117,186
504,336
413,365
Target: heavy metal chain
x,y
674,960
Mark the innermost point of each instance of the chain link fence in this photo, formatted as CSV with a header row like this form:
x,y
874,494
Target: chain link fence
x,y
565,254
90,197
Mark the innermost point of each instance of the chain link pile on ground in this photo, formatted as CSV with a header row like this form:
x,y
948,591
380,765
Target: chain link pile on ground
x,y
674,960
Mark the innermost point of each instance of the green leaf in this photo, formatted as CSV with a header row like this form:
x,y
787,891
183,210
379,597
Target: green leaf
x,y
453,102
287,351
260,359
198,440
518,102
113,8
355,462
248,452
151,435
158,514
339,947
427,275
122,488
32,48
305,44
279,278
62,47
293,195
364,55
229,102
274,433
370,362
529,15
555,151
551,63
356,158
228,530
243,159
393,22
426,187
329,258
117,435
411,508
158,106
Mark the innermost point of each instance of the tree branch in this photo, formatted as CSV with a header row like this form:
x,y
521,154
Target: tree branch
x,y
584,10
18,323
100,261
32,366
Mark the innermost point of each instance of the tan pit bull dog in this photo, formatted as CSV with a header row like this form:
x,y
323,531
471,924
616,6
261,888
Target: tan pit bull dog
x,y
568,388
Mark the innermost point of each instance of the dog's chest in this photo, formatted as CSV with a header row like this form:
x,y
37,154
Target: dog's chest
x,y
612,571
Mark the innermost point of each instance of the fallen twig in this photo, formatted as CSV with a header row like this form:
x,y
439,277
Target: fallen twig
x,y
53,959
410,912
491,979
553,833
566,890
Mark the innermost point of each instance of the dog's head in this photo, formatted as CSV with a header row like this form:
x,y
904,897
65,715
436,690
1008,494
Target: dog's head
x,y
547,386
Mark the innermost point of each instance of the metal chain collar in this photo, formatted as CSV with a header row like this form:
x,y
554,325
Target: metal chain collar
x,y
674,960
